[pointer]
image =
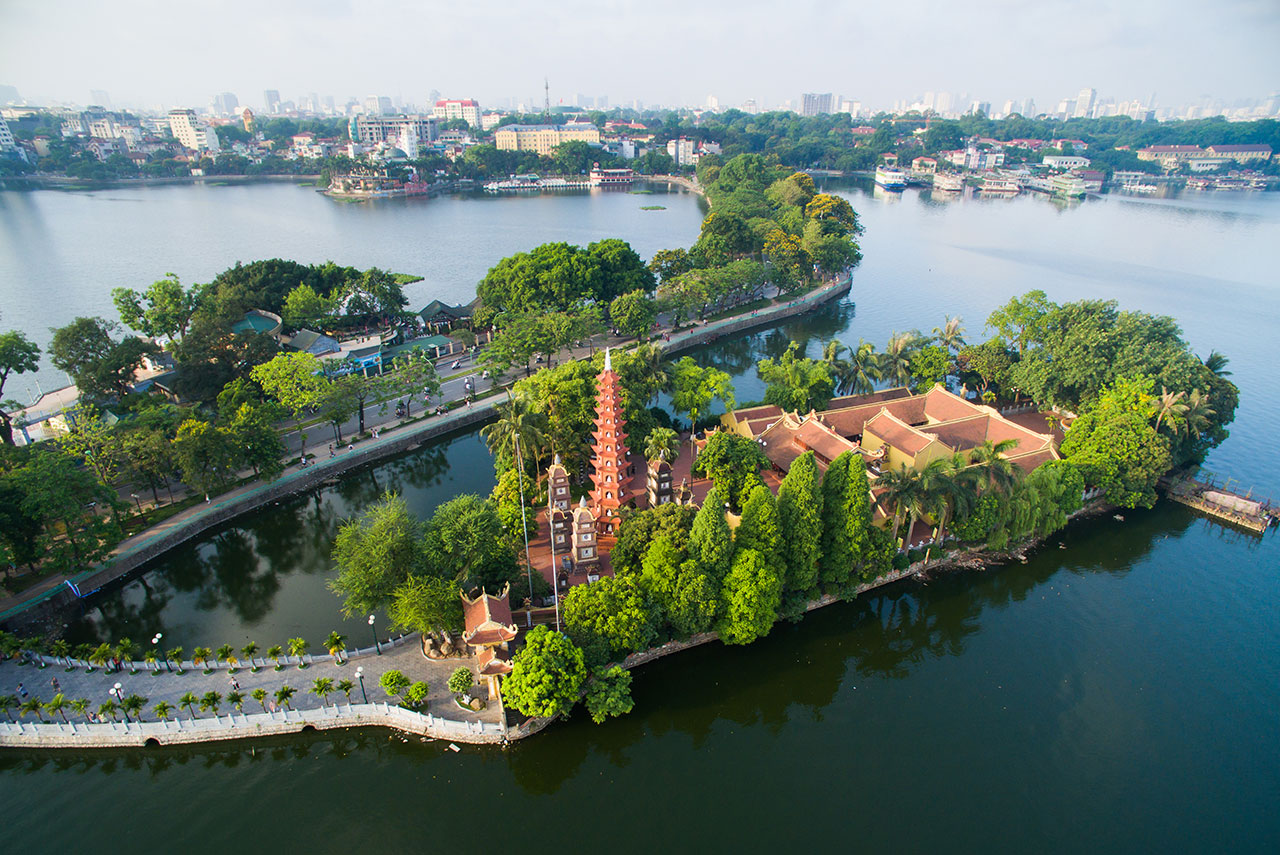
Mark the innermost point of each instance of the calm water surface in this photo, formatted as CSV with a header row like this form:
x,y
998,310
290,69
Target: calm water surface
x,y
1119,692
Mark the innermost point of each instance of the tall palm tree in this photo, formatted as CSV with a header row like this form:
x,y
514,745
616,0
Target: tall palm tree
x,y
1169,405
57,704
133,705
661,444
108,708
1217,363
62,650
901,487
1198,414
236,699
33,705
321,687
517,423
210,701
163,710
284,694
80,706
1000,473
101,655
201,656
298,648
175,654
188,702
125,650
249,651
336,644
223,652
949,488
864,370
895,362
82,652
836,366
951,334
260,695
346,687
152,658
275,651
10,702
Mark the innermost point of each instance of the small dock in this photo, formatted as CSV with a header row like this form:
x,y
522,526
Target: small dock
x,y
1221,502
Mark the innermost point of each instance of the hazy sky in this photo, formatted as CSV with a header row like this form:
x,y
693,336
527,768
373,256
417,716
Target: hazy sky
x,y
165,53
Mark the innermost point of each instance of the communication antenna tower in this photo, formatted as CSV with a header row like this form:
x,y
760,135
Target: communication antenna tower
x,y
546,96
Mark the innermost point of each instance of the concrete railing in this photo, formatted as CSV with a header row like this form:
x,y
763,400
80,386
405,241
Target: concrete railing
x,y
243,726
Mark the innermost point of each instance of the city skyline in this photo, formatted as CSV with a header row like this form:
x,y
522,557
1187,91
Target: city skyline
x,y
345,50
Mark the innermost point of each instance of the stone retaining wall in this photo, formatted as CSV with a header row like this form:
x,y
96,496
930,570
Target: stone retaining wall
x,y
237,726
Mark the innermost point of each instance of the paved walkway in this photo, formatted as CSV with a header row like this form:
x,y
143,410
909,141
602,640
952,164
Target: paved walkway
x,y
164,685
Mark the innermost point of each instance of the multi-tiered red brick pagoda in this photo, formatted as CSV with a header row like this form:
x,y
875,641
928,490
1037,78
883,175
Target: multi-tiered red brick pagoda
x,y
611,475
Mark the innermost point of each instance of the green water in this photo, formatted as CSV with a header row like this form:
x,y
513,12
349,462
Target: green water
x,y
1119,692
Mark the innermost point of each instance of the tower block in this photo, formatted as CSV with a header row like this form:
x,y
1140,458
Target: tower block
x,y
611,473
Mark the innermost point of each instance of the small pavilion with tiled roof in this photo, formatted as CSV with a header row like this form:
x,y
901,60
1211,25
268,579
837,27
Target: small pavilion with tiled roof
x,y
489,629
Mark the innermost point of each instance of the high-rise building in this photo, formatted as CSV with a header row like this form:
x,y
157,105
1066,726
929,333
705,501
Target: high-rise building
x,y
225,103
467,109
191,132
1085,103
373,129
1029,109
602,102
7,143
100,98
815,103
713,103
271,98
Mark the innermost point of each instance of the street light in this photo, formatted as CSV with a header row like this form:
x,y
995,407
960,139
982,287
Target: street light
x,y
156,641
116,690
360,677
373,629
135,498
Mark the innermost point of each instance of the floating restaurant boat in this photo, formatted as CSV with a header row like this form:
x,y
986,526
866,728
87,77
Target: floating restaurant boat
x,y
610,177
999,184
891,179
951,182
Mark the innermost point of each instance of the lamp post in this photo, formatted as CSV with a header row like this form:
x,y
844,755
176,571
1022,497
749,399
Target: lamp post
x,y
155,639
360,677
525,528
374,630
119,694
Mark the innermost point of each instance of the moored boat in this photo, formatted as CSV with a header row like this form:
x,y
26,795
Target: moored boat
x,y
891,179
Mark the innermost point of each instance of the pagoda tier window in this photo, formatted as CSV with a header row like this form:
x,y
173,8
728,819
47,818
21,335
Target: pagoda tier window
x,y
586,537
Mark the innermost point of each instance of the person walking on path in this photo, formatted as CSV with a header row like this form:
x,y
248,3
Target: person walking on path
x,y
235,684
331,454
22,690
56,688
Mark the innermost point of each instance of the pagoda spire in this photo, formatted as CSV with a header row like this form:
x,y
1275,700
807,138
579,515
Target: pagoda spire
x,y
611,474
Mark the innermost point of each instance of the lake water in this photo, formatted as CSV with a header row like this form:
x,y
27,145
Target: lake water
x,y
1118,692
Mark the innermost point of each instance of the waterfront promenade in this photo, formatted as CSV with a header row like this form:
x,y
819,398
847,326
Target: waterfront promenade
x,y
396,436
440,717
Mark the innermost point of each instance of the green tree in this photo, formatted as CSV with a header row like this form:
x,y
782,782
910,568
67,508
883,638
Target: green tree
x,y
322,688
694,387
393,682
751,595
800,516
303,307
991,361
641,528
294,380
1117,447
634,313
661,444
760,528
189,702
57,704
298,648
284,695
609,618
375,553
1019,320
795,383
846,527
210,701
465,543
18,355
710,541
163,310
609,694
461,680
336,644
895,361
100,366
733,461
260,695
426,604
669,264
202,656
415,694
546,675
205,454
792,265
163,710
685,593
929,365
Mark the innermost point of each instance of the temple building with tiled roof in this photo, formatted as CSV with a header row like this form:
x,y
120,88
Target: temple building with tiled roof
x,y
488,630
